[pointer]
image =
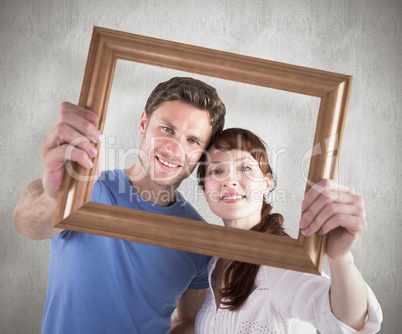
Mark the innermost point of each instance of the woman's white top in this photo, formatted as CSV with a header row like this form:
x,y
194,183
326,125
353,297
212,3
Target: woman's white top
x,y
283,301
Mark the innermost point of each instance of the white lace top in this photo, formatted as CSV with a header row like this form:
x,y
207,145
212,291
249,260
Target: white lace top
x,y
283,301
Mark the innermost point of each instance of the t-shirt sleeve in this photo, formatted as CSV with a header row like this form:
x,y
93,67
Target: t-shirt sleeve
x,y
306,297
201,280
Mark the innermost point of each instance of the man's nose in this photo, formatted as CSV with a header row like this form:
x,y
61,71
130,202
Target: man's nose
x,y
173,148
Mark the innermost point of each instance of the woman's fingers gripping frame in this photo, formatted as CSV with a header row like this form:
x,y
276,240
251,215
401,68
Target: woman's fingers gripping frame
x,y
329,205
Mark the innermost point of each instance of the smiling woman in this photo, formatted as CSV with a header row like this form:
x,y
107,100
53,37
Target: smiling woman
x,y
235,174
236,178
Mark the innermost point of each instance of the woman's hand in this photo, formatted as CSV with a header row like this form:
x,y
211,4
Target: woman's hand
x,y
329,207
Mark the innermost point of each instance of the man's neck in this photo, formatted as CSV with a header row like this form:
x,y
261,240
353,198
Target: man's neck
x,y
150,191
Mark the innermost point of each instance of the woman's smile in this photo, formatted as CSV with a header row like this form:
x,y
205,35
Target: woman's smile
x,y
232,197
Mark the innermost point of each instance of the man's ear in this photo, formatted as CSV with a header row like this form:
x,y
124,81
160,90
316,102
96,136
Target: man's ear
x,y
143,123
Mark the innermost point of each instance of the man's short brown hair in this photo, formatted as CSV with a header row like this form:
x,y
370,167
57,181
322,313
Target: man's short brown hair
x,y
194,92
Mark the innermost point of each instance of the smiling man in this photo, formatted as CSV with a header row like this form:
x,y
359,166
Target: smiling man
x,y
104,285
173,139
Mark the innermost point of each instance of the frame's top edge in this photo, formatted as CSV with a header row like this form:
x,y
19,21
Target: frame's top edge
x,y
125,35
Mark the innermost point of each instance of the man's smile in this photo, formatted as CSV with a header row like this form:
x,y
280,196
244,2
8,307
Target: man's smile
x,y
167,163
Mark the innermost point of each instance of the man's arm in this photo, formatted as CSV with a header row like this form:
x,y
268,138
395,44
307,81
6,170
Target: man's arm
x,y
187,308
34,213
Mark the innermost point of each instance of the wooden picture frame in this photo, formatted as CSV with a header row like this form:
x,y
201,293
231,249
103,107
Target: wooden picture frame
x,y
76,212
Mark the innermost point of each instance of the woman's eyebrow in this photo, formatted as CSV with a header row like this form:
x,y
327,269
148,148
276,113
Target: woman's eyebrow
x,y
216,162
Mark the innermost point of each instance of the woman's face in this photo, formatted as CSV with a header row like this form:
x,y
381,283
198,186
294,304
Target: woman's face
x,y
234,186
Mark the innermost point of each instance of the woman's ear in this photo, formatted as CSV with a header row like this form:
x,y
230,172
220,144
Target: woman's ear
x,y
268,180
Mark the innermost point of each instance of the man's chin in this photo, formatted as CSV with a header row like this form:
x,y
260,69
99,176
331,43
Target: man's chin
x,y
168,182
174,179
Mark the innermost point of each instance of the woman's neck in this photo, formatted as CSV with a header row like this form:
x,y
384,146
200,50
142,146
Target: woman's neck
x,y
245,223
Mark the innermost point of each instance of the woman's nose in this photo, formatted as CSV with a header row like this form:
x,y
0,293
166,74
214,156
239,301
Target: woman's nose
x,y
231,180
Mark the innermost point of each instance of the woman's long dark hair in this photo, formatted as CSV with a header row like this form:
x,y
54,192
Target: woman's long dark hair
x,y
239,277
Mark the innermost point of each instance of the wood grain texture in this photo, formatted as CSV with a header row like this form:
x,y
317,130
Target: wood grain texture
x,y
76,212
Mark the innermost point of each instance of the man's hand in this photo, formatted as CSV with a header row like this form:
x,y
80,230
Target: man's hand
x,y
70,138
76,127
335,209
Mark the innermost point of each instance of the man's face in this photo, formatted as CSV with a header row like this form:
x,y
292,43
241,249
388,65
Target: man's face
x,y
173,139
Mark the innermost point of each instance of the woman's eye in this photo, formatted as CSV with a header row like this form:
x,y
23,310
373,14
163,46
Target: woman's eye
x,y
215,172
245,168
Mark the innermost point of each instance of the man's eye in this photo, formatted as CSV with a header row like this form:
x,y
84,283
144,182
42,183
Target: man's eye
x,y
168,129
192,141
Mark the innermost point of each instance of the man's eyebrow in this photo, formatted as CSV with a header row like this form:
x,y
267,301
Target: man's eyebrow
x,y
198,139
169,125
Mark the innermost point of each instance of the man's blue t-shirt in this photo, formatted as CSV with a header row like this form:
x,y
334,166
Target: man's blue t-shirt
x,y
104,285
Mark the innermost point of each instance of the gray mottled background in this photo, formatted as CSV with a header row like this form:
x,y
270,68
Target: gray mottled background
x,y
44,46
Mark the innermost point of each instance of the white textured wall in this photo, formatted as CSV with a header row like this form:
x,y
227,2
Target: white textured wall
x,y
44,45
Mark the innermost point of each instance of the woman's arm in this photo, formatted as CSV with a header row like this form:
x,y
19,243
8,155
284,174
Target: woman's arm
x,y
348,294
337,210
